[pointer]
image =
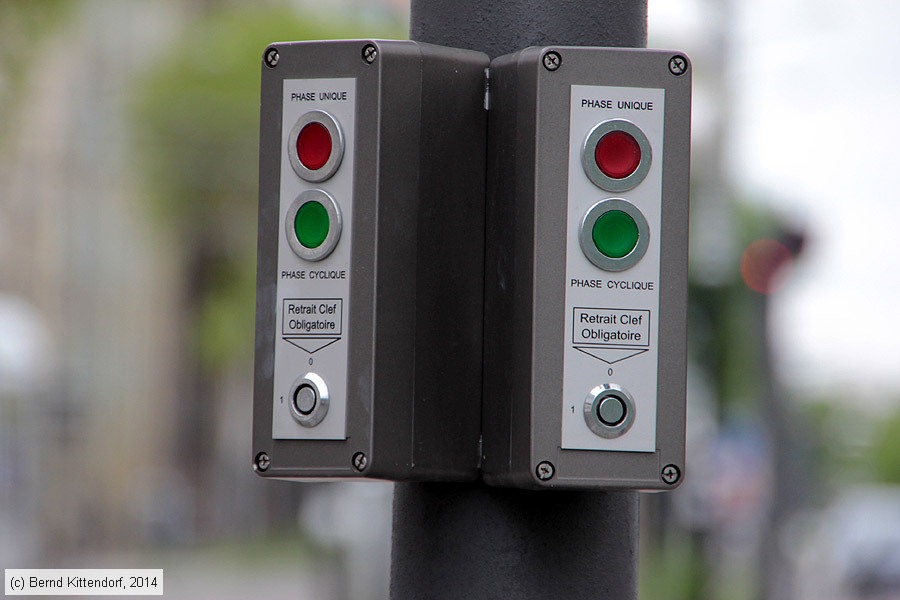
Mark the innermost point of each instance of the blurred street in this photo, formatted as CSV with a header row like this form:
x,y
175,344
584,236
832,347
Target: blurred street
x,y
128,203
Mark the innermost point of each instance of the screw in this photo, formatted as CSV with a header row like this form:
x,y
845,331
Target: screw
x,y
671,474
360,461
678,65
552,61
545,470
369,53
271,58
262,462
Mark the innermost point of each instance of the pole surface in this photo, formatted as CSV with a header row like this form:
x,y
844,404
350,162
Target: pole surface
x,y
470,541
498,27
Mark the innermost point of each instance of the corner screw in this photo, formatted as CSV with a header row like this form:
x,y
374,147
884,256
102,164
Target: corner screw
x,y
271,58
677,65
545,470
360,461
262,462
552,61
671,474
369,53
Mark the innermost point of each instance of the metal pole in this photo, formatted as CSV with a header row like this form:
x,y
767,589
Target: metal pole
x,y
472,542
455,542
498,27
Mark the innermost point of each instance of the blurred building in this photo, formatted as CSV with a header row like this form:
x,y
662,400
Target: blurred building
x,y
77,250
106,441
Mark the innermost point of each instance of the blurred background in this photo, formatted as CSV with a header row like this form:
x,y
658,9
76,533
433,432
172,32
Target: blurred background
x,y
128,181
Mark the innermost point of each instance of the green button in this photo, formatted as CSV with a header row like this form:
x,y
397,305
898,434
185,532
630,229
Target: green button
x,y
615,234
311,224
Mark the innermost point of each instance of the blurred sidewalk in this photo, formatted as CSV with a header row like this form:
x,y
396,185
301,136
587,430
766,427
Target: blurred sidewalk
x,y
282,569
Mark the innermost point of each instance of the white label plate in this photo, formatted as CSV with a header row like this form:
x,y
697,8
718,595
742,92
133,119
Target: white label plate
x,y
612,317
314,297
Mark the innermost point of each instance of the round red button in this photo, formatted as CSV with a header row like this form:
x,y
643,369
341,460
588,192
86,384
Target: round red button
x,y
617,154
314,146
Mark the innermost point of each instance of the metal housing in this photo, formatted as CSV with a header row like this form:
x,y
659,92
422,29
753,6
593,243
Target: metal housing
x,y
525,269
416,267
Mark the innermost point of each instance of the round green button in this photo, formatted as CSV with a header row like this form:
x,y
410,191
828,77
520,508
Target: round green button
x,y
615,234
311,224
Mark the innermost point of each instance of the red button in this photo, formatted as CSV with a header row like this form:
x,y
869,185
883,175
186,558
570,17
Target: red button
x,y
314,146
617,154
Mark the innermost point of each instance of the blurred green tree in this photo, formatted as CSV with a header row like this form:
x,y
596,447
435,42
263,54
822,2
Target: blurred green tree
x,y
886,449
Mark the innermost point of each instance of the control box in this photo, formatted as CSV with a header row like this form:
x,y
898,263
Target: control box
x,y
370,261
586,268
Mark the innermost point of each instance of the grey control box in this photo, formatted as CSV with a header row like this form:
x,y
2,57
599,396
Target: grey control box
x,y
370,261
586,268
